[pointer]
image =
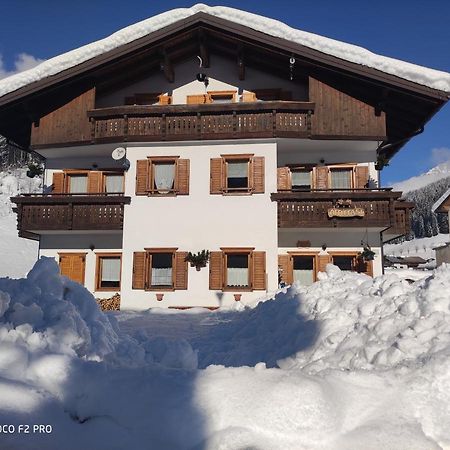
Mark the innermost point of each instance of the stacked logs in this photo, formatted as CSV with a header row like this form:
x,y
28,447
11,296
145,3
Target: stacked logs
x,y
110,304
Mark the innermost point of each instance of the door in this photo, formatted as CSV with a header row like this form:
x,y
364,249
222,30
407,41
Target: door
x,y
72,265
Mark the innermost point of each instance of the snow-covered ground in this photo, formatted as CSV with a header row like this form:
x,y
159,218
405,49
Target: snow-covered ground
x,y
17,255
422,247
348,363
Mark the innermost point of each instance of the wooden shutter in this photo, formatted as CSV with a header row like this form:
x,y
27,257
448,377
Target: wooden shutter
x,y
361,176
183,176
285,264
248,97
198,99
283,179
142,175
165,99
216,175
181,270
322,261
73,266
257,165
94,182
216,270
322,177
58,182
138,270
259,271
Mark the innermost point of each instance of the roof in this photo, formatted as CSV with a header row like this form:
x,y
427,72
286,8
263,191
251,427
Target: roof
x,y
441,200
434,79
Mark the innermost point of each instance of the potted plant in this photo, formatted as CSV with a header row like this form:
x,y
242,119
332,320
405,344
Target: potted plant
x,y
34,169
367,254
198,260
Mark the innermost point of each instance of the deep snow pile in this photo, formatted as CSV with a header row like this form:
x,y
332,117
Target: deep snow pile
x,y
362,364
429,77
17,255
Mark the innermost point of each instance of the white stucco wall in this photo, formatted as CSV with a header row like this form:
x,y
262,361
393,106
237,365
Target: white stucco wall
x,y
199,221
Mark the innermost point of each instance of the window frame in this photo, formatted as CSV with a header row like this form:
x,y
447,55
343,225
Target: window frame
x,y
348,167
75,172
313,253
151,191
231,93
354,256
237,158
304,168
98,267
148,266
226,251
105,173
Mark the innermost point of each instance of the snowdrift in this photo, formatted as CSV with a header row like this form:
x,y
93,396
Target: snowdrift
x,y
347,363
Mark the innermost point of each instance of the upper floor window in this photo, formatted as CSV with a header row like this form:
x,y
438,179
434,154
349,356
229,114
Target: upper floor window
x,y
77,183
222,96
237,177
162,175
301,179
113,183
87,182
341,178
237,174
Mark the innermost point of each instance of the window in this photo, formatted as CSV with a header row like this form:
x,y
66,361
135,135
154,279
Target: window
x,y
301,179
161,270
78,183
108,271
113,183
222,96
303,269
237,270
341,178
344,262
162,175
237,174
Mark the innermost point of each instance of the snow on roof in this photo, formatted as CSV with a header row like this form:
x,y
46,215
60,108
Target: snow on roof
x,y
434,79
441,200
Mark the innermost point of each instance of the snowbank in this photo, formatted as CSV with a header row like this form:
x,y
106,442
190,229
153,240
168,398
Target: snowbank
x,y
418,74
347,363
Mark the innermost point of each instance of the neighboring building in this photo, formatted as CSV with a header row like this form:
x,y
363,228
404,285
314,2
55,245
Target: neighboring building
x,y
271,164
442,205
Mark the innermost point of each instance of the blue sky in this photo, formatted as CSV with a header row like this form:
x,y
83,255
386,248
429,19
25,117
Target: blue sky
x,y
412,30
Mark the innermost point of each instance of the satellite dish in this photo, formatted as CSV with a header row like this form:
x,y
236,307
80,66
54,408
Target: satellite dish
x,y
119,153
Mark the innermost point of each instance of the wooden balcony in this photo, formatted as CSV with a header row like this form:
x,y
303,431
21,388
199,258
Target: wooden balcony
x,y
365,208
201,122
43,213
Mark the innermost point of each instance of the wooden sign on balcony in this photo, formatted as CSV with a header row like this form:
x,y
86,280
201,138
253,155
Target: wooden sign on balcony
x,y
346,212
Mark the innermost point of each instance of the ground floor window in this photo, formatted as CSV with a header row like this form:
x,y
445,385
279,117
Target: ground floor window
x,y
303,269
161,270
108,271
345,262
237,270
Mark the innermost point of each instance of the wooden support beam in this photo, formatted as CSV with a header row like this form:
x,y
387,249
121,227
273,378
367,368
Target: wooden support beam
x,y
167,67
204,50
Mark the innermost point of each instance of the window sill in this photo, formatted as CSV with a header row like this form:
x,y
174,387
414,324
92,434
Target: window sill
x,y
162,289
108,289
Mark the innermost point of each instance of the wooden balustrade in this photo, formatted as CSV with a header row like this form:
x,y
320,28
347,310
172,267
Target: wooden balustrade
x,y
340,209
69,212
201,122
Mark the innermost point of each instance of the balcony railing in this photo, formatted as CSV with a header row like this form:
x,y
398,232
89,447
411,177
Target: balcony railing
x,y
366,208
40,213
202,122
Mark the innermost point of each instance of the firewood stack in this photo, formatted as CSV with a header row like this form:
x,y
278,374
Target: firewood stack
x,y
110,304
